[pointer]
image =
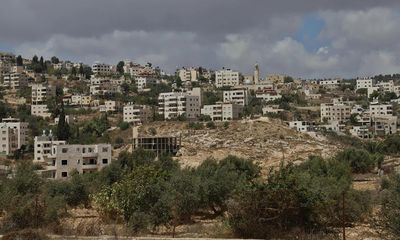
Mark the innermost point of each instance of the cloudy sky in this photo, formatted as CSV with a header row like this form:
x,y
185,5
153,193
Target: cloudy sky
x,y
303,38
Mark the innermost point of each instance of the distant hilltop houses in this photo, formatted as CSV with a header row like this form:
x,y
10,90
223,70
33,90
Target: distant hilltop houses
x,y
85,101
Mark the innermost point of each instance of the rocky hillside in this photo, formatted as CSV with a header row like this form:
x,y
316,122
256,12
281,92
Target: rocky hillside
x,y
267,141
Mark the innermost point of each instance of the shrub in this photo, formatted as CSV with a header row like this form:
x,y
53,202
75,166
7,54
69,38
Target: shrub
x,y
195,125
123,126
390,211
359,160
307,196
392,144
210,125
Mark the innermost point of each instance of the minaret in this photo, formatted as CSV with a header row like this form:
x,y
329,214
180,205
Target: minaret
x,y
256,74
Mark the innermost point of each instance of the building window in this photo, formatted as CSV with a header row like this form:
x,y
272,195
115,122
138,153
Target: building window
x,y
105,149
64,162
105,161
64,174
64,150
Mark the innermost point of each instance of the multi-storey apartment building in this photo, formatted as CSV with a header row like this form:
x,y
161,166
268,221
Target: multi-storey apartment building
x,y
137,114
80,100
137,70
76,157
364,83
385,125
101,68
329,82
268,96
386,86
226,78
102,86
302,126
40,94
276,78
109,106
143,82
239,96
188,74
222,111
175,104
380,110
21,128
335,112
15,80
43,146
8,139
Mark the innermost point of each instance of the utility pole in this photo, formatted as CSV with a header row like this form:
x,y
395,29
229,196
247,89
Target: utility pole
x,y
343,218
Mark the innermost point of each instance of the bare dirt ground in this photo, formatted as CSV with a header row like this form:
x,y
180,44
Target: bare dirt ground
x,y
266,141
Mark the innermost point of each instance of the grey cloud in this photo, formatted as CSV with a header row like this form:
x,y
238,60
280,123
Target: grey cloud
x,y
39,19
360,35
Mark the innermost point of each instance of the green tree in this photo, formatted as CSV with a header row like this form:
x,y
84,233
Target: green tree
x,y
19,61
220,179
55,60
63,131
359,160
390,200
120,67
305,197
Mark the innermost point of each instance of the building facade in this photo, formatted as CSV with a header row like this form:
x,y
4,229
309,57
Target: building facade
x,y
226,78
174,104
137,114
222,111
239,96
76,157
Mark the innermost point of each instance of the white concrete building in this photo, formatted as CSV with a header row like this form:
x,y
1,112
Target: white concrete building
x,y
109,106
13,135
144,82
329,82
175,104
15,80
276,78
268,96
360,131
101,68
385,125
75,157
188,74
137,114
43,146
239,96
40,110
41,92
302,126
335,112
380,110
372,89
222,111
364,83
386,86
272,109
8,140
226,78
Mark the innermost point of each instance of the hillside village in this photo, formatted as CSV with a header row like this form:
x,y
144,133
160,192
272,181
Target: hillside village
x,y
141,95
69,118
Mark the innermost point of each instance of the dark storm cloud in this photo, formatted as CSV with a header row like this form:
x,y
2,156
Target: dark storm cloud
x,y
24,20
357,36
